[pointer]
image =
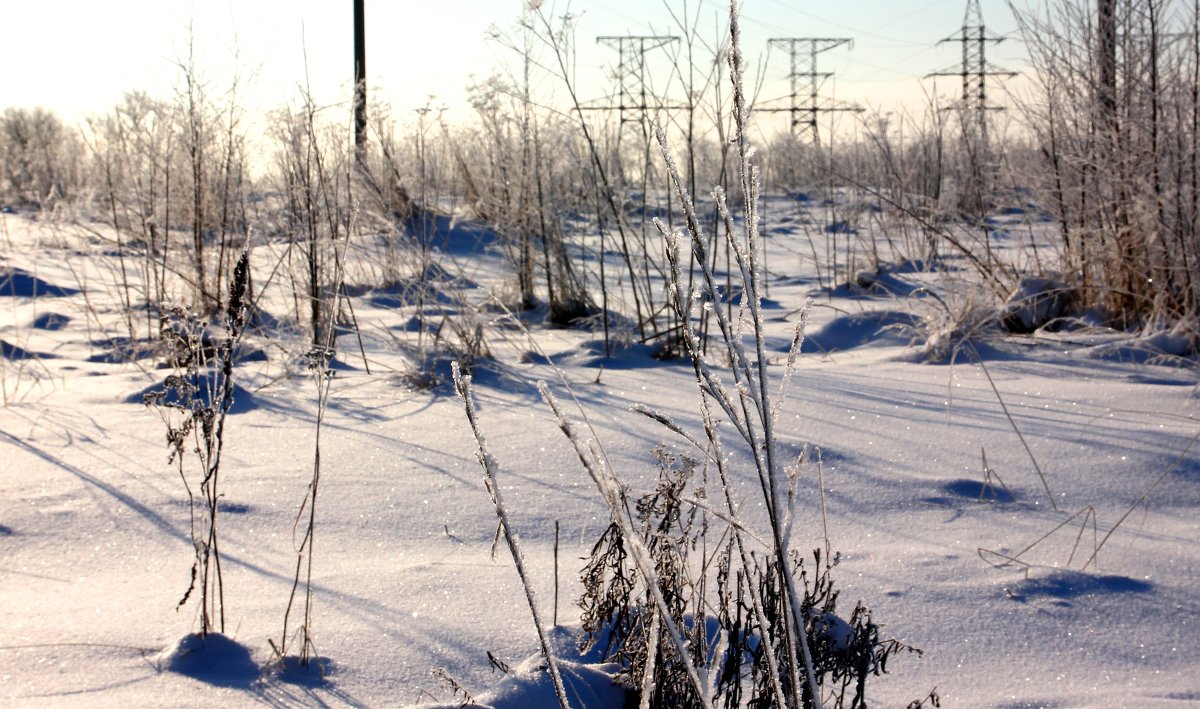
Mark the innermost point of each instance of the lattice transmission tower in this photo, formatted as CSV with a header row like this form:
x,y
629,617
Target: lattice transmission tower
x,y
635,98
974,72
806,103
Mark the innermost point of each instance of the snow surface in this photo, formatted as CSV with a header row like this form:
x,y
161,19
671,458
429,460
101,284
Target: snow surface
x,y
95,551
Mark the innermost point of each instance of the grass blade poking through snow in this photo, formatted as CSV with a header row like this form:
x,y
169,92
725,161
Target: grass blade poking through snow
x,y
319,356
462,383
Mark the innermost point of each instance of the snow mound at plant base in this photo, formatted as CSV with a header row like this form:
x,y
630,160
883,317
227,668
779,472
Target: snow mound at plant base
x,y
528,684
213,659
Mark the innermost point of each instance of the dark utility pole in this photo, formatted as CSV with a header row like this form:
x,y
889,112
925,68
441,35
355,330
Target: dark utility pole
x,y
360,78
1106,25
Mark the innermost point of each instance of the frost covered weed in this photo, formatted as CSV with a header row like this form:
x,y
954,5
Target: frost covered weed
x,y
738,637
194,402
617,609
463,384
305,526
21,371
455,687
699,608
948,329
458,339
1125,197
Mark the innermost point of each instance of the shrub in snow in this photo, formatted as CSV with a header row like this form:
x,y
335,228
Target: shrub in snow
x,y
945,331
737,634
1036,302
745,624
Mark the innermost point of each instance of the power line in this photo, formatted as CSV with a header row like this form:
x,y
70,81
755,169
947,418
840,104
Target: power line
x,y
858,31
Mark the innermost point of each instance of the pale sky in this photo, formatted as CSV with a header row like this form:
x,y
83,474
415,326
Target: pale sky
x,y
79,57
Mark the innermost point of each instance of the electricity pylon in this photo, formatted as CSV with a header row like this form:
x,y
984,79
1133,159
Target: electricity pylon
x,y
634,99
974,72
806,103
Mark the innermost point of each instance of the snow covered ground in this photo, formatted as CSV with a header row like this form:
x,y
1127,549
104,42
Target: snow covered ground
x,y
94,524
